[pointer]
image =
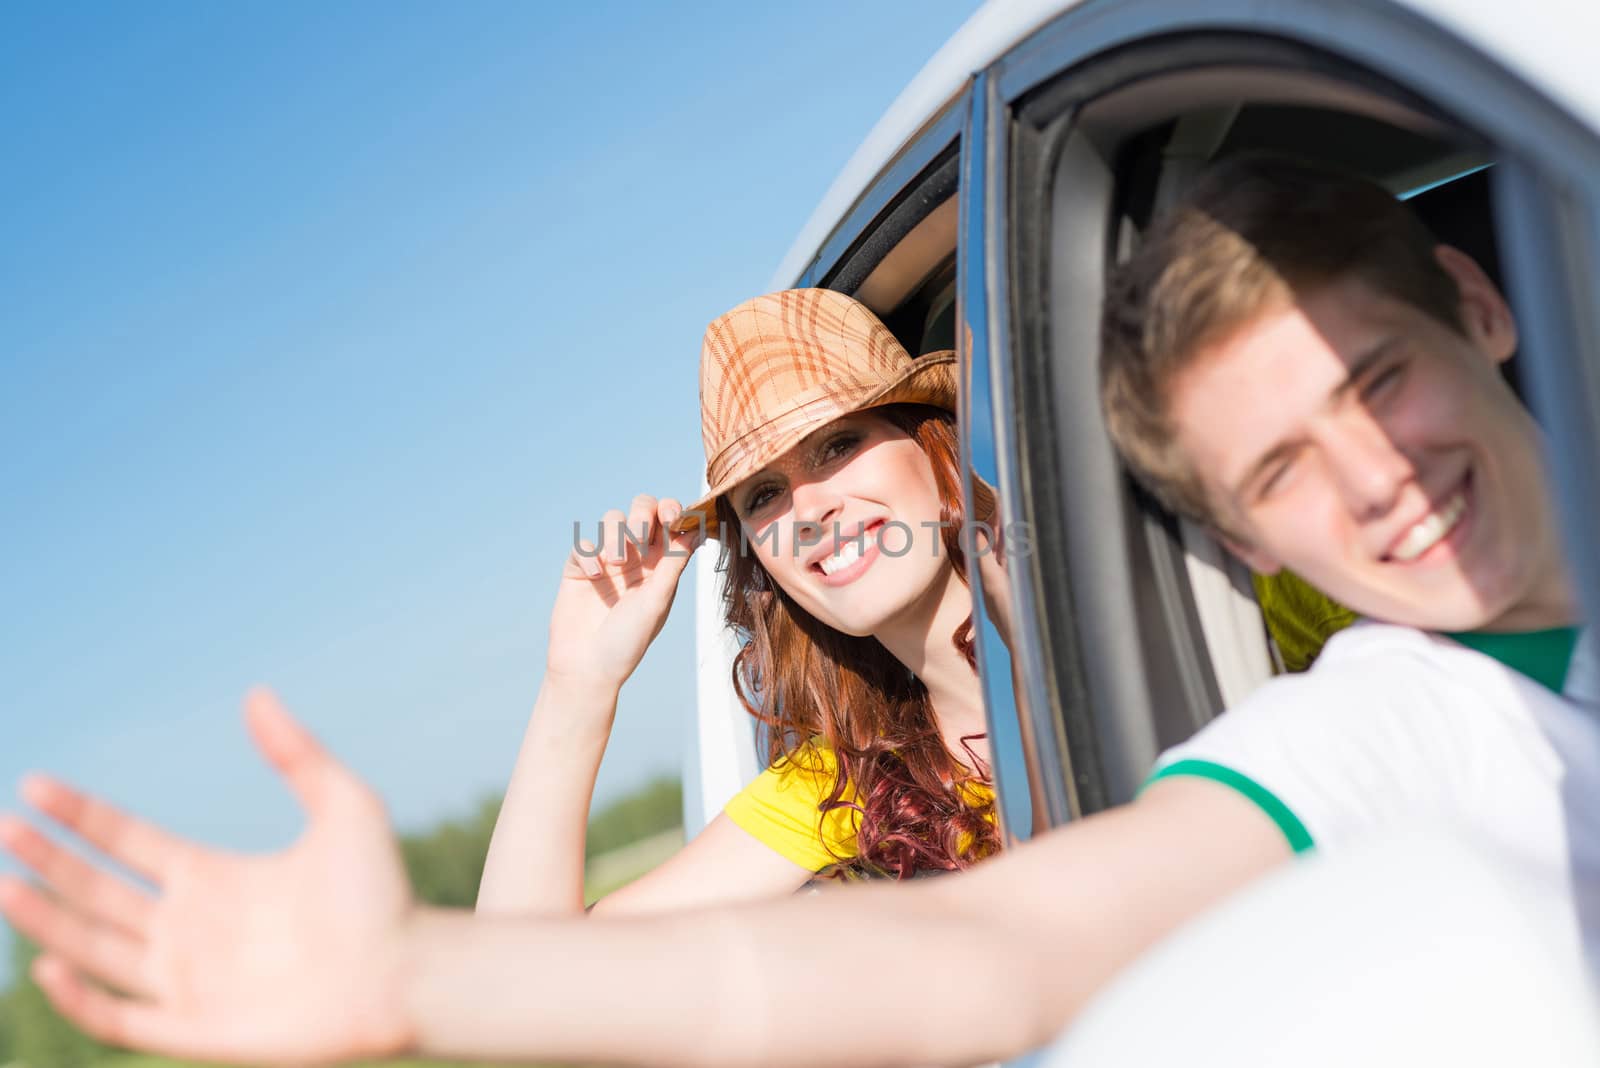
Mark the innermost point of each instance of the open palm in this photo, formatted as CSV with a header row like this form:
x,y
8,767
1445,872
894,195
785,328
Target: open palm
x,y
289,957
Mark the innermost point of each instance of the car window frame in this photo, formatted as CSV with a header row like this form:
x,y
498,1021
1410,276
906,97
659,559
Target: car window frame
x,y
1541,204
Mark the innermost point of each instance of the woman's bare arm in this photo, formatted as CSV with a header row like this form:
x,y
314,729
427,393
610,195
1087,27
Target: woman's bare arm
x,y
612,601
536,853
536,856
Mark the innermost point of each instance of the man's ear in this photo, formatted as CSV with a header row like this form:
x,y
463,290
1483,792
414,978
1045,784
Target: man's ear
x,y
1257,560
1485,315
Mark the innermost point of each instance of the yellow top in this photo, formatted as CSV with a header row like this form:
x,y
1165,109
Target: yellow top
x,y
781,809
1300,617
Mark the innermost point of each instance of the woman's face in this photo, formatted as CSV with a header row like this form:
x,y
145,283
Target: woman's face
x,y
847,523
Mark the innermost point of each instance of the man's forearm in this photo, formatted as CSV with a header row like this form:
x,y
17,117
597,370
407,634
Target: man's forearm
x,y
954,970
870,960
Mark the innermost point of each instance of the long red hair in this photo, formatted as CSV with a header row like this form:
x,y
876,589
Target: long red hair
x,y
803,680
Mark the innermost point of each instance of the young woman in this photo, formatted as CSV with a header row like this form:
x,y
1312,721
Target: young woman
x,y
832,461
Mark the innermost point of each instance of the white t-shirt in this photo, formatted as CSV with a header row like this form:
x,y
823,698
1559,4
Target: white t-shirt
x,y
1395,726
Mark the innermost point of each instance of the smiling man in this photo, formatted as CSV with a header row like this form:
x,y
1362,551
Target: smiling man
x,y
1292,360
1318,381
1289,358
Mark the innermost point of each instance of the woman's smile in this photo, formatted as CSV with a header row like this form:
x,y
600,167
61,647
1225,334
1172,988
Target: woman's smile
x,y
850,558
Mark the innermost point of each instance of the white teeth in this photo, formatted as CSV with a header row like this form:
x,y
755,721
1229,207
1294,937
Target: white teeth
x,y
1422,537
848,554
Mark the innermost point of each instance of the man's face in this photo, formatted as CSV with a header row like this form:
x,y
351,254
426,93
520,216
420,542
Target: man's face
x,y
1378,453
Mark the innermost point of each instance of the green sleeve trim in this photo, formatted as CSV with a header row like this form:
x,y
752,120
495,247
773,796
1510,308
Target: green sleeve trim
x,y
1279,813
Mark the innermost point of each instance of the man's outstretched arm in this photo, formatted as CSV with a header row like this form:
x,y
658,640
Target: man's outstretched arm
x,y
316,954
957,970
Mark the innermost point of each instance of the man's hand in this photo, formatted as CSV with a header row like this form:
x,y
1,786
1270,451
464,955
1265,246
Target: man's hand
x,y
289,958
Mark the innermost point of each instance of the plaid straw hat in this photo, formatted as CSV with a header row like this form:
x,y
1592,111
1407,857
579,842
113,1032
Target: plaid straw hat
x,y
778,367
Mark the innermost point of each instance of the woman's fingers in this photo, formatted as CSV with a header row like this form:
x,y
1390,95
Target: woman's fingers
x,y
98,894
629,544
641,525
585,560
996,585
640,541
103,952
131,842
680,547
667,512
613,539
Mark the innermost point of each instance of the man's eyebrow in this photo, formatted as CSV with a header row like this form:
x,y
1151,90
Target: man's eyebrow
x,y
1270,457
1365,362
1359,367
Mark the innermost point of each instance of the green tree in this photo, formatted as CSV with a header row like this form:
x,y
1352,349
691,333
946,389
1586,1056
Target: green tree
x,y
446,863
7,1039
655,807
36,1035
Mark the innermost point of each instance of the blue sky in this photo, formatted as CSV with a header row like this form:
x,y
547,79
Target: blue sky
x,y
323,323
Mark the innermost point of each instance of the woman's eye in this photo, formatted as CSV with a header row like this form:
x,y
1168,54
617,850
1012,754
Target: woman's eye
x,y
758,498
841,446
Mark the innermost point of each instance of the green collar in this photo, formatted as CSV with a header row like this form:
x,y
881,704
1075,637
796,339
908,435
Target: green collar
x,y
1542,655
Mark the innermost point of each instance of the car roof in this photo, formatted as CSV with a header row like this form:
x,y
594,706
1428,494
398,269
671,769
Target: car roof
x,y
1548,43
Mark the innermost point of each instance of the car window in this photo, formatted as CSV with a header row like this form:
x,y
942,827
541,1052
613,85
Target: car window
x,y
1145,627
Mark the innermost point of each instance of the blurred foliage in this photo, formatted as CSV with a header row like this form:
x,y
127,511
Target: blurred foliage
x,y
655,807
8,1034
445,865
35,1034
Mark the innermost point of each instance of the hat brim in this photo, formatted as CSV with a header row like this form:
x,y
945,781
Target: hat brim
x,y
930,380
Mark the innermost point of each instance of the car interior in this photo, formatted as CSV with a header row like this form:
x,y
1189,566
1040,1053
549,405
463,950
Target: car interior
x,y
1167,624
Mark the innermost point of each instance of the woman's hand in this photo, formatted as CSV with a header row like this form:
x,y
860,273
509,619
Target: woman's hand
x,y
612,603
615,596
996,585
290,958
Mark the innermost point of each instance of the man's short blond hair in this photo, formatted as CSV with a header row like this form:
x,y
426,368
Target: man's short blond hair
x,y
1253,232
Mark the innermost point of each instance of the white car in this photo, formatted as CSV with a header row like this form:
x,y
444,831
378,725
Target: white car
x,y
982,213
